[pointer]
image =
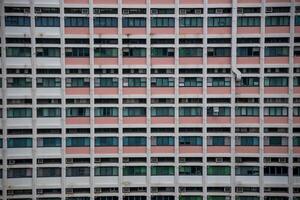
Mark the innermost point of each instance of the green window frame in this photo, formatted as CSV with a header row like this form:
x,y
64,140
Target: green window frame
x,y
248,21
162,82
277,20
276,51
77,52
105,22
134,82
19,112
134,171
190,170
134,112
218,170
18,52
275,111
162,112
106,112
76,22
248,82
276,81
134,141
186,22
162,170
162,141
190,141
106,52
159,22
77,142
106,141
77,112
19,142
247,171
48,112
190,52
218,111
246,111
49,142
190,111
219,21
18,82
106,171
106,82
42,82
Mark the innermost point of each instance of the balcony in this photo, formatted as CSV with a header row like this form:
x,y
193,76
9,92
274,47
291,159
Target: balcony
x,y
162,31
134,31
219,60
219,30
190,90
135,61
162,91
248,60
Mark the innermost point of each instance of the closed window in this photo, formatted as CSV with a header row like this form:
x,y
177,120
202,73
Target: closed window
x,y
248,82
247,111
134,52
190,22
275,111
277,21
190,82
48,82
106,171
105,22
247,141
297,20
106,52
77,82
19,112
78,112
248,21
78,142
218,82
276,82
134,112
76,21
19,142
218,141
218,51
218,171
134,171
219,22
275,171
296,171
134,82
190,141
159,22
276,51
190,111
162,112
190,171
48,112
247,171
106,141
247,51
106,82
18,52
48,172
14,82
77,52
162,171
162,52
19,173
296,111
134,22
106,112
134,141
162,82
77,171
275,141
17,21
190,52
47,52
49,142
190,197
218,111
296,141
47,21
162,141
296,81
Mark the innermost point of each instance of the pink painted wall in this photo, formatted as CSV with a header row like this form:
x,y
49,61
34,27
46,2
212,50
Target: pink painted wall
x,y
77,91
247,60
276,90
218,149
218,90
77,30
162,31
297,28
77,120
105,31
218,60
247,90
135,61
162,90
162,1
134,120
276,149
247,1
278,29
219,1
134,90
277,60
77,1
105,2
190,90
162,120
135,149
191,1
134,31
77,61
106,150
248,30
296,150
246,149
77,150
162,149
297,59
219,30
183,31
218,120
190,61
106,61
162,61
297,90
276,120
190,149
106,120
190,120
106,91
134,1
277,1
247,120
296,120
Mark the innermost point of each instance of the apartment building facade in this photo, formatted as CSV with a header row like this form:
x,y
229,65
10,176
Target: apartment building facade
x,y
150,99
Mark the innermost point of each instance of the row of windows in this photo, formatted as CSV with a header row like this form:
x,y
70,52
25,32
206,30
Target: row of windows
x,y
155,141
155,21
155,171
155,52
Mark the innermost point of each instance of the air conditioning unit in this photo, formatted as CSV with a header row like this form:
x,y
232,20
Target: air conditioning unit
x,y
39,50
238,160
267,160
125,160
154,190
10,192
85,11
69,191
198,11
182,12
86,79
154,160
98,190
269,9
113,190
126,190
39,80
69,160
182,160
38,10
97,160
219,160
267,189
11,162
219,11
216,109
282,160
10,80
140,189
39,191
154,11
40,161
239,190
126,12
240,10
169,189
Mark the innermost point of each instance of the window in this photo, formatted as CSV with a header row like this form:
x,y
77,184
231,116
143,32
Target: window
x,y
17,9
247,141
275,141
162,52
76,10
49,142
105,11
105,22
17,21
78,112
18,52
106,52
78,142
190,111
277,20
46,10
276,51
134,141
190,22
134,52
134,82
190,82
106,171
77,171
190,52
77,52
247,51
191,197
76,21
296,111
106,82
13,82
106,141
47,40
77,82
275,171
106,112
19,142
158,22
134,112
162,82
136,11
190,171
162,171
192,11
162,141
19,112
190,141
247,171
218,171
48,82
134,22
297,20
248,82
276,81
134,171
248,21
48,172
47,52
218,111
218,51
219,21
296,171
246,111
162,112
275,111
19,172
48,112
218,82
47,21
162,11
